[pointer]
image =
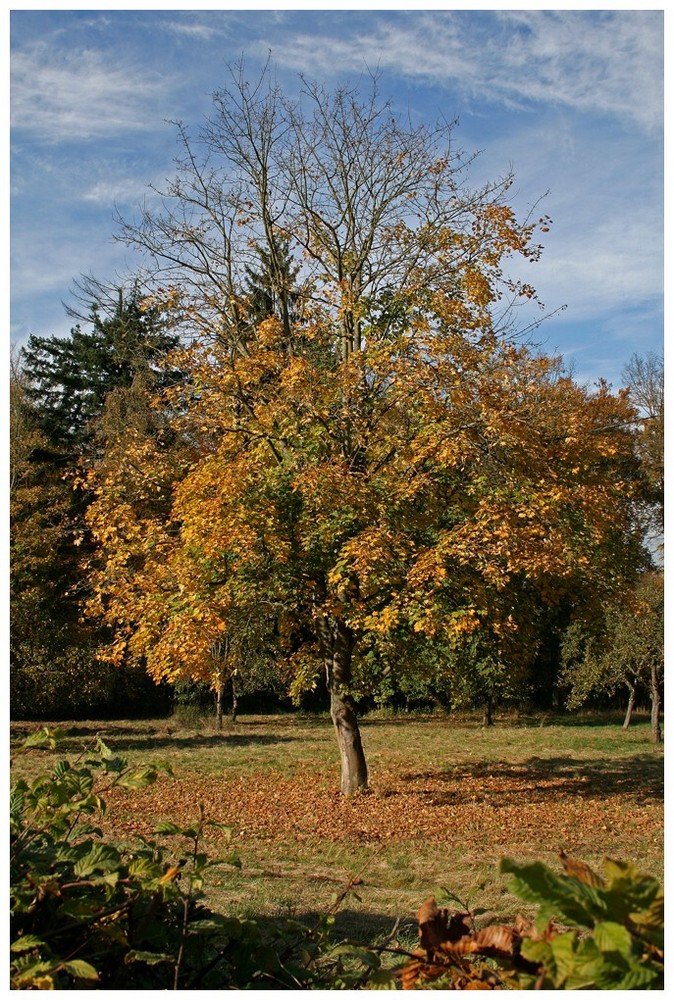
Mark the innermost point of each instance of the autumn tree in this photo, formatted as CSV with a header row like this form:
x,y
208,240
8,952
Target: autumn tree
x,y
381,456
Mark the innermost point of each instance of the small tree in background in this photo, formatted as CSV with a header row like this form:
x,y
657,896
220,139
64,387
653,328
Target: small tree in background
x,y
67,379
625,648
645,376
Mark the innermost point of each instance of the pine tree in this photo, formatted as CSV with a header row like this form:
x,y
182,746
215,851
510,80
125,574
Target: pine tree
x,y
66,380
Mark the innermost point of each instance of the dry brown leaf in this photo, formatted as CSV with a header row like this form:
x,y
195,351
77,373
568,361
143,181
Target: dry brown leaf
x,y
581,871
432,925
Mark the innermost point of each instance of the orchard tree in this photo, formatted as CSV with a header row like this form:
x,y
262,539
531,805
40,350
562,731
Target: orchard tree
x,y
377,456
624,648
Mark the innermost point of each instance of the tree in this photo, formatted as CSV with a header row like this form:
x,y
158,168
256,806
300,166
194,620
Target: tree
x,y
645,376
379,457
58,391
66,379
625,648
40,517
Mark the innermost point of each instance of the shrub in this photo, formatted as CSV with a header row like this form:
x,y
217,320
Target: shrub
x,y
73,684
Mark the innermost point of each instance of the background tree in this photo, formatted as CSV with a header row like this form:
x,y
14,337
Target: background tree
x,y
67,379
380,457
625,648
645,377
58,388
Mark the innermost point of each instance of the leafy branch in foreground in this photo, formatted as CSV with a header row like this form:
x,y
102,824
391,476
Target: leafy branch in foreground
x,y
591,932
85,911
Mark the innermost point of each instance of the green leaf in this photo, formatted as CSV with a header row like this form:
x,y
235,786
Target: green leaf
x,y
368,958
381,979
103,750
610,936
650,926
115,765
43,738
100,857
562,896
204,926
145,868
563,949
226,828
643,977
80,969
138,779
26,942
165,826
148,957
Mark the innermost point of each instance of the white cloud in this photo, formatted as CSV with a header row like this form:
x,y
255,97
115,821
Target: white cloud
x,y
611,62
191,29
605,247
58,95
118,191
608,62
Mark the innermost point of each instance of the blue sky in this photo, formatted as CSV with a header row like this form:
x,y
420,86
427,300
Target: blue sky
x,y
573,100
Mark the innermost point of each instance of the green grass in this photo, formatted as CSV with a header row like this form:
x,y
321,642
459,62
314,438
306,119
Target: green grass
x,y
448,799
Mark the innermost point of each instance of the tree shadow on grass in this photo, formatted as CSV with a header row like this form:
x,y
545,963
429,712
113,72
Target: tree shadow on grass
x,y
195,741
362,925
122,737
641,778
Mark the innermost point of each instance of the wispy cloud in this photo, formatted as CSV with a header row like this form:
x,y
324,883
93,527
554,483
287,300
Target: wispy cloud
x,y
198,30
608,62
605,247
85,94
118,191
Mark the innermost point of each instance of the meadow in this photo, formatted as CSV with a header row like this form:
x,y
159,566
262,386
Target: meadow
x,y
447,800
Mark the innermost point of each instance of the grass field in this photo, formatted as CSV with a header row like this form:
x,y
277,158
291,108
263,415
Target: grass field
x,y
447,800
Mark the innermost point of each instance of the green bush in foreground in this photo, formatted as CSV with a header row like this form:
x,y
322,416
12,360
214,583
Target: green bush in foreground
x,y
88,913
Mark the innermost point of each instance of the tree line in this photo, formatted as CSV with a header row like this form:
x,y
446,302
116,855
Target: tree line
x,y
311,450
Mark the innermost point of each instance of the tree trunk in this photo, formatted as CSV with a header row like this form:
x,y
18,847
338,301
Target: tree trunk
x,y
656,733
487,718
235,698
337,641
630,705
218,704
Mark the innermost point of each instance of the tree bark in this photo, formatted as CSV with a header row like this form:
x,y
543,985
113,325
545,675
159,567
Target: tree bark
x,y
487,718
235,698
218,705
656,732
337,642
630,705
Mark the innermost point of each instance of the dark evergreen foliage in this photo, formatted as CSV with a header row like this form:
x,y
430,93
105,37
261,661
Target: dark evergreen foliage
x,y
68,379
59,391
